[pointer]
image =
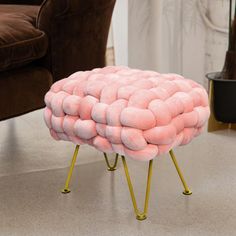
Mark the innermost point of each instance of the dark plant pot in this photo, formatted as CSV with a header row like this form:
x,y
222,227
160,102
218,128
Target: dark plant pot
x,y
224,98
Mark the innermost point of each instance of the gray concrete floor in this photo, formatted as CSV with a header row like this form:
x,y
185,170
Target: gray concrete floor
x,y
33,168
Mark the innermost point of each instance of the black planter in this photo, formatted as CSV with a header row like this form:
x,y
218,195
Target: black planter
x,y
224,98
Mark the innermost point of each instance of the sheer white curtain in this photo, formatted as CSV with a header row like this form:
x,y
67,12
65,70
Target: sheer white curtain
x,y
168,36
173,35
188,37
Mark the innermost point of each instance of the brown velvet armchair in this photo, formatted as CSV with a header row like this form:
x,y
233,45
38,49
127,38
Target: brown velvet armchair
x,y
44,41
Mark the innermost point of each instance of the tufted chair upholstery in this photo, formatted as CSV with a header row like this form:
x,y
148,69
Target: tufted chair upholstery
x,y
44,41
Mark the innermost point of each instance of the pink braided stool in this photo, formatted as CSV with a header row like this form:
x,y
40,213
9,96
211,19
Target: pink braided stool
x,y
134,113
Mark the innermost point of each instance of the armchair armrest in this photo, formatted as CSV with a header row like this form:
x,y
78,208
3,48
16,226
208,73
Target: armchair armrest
x,y
77,32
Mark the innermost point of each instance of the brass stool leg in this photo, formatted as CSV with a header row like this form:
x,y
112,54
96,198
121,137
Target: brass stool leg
x,y
139,215
109,167
186,191
66,188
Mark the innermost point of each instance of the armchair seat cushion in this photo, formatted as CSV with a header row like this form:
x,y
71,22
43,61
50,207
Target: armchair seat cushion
x,y
20,41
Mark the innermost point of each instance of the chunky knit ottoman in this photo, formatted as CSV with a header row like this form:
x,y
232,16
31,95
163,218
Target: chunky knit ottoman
x,y
133,113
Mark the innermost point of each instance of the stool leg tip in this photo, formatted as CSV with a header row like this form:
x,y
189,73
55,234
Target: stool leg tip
x,y
187,192
141,217
111,168
65,190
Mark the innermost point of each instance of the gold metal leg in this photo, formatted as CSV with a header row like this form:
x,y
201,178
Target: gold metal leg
x,y
186,191
139,215
109,167
66,188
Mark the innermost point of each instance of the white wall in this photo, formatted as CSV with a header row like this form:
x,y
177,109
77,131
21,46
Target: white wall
x,y
120,32
216,22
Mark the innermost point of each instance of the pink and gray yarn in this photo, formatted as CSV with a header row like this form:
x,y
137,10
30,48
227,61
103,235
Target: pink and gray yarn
x,y
135,113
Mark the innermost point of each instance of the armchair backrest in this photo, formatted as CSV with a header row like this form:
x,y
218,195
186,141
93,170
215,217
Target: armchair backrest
x,y
77,31
22,2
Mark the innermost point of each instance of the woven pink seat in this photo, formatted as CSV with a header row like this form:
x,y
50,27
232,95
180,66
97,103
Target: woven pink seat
x,y
135,113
